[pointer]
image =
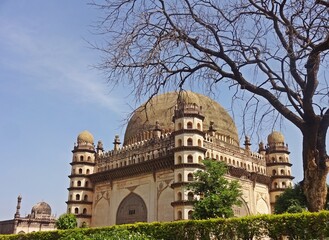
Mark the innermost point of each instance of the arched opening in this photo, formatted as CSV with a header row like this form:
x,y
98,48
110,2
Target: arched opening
x,y
189,142
273,172
189,125
282,172
76,210
89,158
190,177
84,211
88,171
190,159
179,126
81,158
77,197
179,159
198,126
179,177
79,183
284,185
132,209
200,159
179,142
85,198
199,143
190,196
179,196
190,214
179,215
86,184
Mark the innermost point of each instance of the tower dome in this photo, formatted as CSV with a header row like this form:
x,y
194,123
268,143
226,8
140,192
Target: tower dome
x,y
85,137
161,109
275,137
41,210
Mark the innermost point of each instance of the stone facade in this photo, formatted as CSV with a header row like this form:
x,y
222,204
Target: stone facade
x,y
145,179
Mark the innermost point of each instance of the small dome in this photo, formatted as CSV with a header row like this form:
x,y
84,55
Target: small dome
x,y
85,137
41,209
275,137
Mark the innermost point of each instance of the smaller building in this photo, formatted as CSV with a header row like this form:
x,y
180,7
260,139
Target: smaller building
x,y
40,219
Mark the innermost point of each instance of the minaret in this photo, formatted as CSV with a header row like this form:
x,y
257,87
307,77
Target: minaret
x,y
278,166
188,154
18,207
81,190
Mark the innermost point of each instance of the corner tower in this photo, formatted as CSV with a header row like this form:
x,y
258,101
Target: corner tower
x,y
188,153
278,166
80,190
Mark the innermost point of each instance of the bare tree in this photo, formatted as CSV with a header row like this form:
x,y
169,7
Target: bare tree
x,y
277,50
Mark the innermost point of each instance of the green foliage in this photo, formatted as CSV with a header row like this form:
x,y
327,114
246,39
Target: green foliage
x,y
66,221
302,226
218,193
292,200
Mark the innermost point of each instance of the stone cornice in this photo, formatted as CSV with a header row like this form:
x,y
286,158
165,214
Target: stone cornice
x,y
271,164
253,176
190,148
193,131
149,166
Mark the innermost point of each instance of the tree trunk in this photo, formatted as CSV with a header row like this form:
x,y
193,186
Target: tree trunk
x,y
315,167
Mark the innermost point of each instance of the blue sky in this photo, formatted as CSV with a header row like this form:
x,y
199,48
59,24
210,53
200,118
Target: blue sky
x,y
49,93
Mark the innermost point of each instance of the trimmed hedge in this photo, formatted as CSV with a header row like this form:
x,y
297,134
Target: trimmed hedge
x,y
294,226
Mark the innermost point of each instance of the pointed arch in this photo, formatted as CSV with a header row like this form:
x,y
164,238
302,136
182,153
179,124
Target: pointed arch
x,y
131,209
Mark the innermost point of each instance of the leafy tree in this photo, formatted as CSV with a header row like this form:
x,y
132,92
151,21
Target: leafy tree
x,y
291,200
273,55
66,221
218,194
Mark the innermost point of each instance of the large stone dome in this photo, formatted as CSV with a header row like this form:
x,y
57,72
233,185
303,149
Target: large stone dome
x,y
161,109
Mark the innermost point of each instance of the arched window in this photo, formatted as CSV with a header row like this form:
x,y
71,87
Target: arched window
x,y
80,171
88,171
85,198
89,158
84,211
179,142
179,196
284,185
198,126
79,183
282,172
274,172
199,143
179,126
190,196
233,161
275,185
189,125
86,184
190,213
190,159
200,159
179,159
179,177
81,158
77,197
76,210
190,177
189,142
179,215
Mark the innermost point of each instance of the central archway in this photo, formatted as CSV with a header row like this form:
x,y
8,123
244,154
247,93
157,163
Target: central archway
x,y
132,209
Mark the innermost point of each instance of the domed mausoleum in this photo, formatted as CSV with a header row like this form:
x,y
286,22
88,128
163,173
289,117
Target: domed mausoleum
x,y
144,178
40,219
